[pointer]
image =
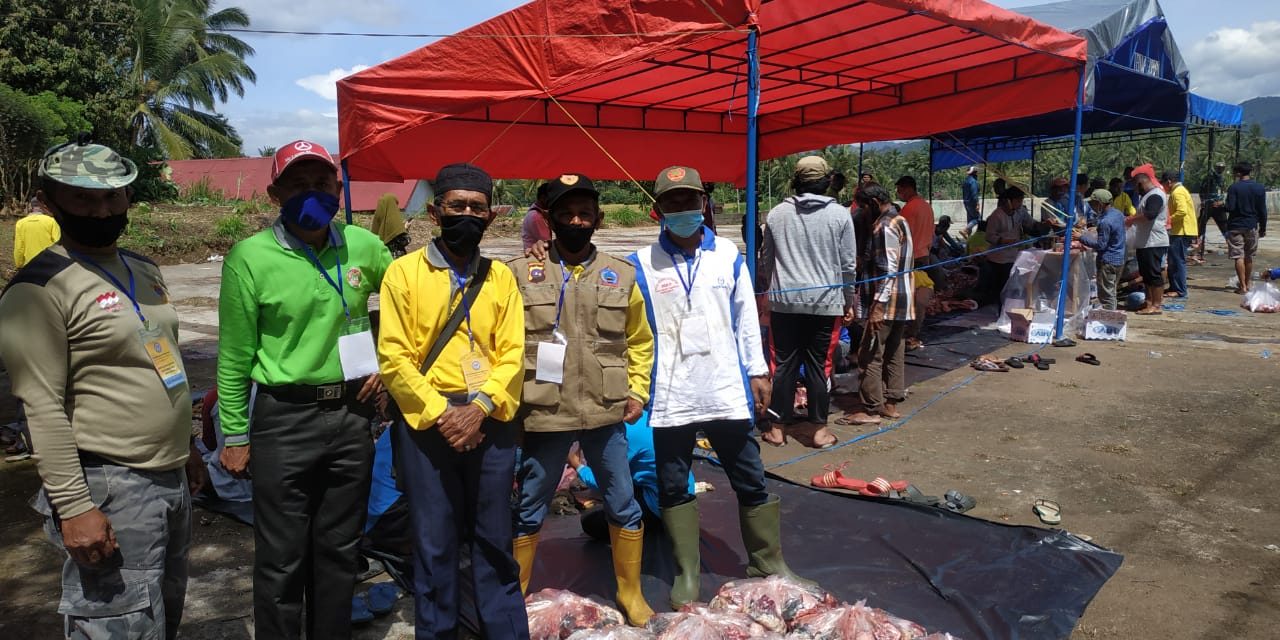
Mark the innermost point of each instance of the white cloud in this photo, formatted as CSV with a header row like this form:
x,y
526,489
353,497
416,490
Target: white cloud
x,y
314,15
1234,64
274,128
325,84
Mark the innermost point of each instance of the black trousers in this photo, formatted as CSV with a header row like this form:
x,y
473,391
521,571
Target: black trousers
x,y
737,449
809,340
311,466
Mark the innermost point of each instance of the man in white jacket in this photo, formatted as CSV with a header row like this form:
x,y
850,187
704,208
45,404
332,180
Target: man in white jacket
x,y
709,375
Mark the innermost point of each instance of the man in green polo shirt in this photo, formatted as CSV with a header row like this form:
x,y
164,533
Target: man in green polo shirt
x,y
293,319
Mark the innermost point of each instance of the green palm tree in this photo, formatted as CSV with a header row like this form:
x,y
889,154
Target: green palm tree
x,y
181,69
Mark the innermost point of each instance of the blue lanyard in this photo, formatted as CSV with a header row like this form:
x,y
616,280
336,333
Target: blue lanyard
x,y
132,291
337,286
692,264
462,295
560,303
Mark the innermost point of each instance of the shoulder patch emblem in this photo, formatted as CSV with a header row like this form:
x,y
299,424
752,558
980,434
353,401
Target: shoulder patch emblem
x,y
537,272
355,277
609,277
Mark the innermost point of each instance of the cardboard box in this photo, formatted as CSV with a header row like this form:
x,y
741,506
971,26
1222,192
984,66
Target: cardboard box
x,y
1102,324
1025,327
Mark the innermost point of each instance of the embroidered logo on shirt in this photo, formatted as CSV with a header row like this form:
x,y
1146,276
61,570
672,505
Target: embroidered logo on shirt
x,y
537,272
109,301
667,285
609,277
354,277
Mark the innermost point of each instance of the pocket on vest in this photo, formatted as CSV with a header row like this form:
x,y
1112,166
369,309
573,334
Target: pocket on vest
x,y
614,373
542,394
540,308
611,317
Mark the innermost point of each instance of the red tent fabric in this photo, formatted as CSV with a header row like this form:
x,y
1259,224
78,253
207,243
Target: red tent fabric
x,y
661,82
248,178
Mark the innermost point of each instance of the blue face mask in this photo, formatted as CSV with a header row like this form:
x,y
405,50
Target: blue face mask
x,y
310,210
683,223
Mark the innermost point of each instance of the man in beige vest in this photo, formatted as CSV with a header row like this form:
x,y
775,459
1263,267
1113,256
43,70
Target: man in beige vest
x,y
588,357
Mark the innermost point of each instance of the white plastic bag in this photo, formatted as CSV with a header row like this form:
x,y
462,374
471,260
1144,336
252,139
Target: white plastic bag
x,y
1263,298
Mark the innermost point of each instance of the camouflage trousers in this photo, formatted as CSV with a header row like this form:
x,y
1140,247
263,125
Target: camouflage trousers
x,y
139,592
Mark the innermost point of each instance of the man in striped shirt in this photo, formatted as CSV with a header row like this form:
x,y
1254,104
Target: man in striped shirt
x,y
889,310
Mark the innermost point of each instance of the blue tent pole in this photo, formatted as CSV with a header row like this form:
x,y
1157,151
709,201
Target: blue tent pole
x,y
346,189
753,146
1071,217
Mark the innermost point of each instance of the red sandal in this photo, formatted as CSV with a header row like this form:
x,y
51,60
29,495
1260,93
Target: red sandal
x,y
834,479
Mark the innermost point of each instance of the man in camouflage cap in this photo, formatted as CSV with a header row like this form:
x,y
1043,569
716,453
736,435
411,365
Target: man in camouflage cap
x,y
89,326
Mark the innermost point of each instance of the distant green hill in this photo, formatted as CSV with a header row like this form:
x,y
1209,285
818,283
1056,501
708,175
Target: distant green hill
x,y
1265,112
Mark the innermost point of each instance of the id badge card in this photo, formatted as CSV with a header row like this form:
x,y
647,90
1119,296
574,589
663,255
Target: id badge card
x,y
695,335
475,371
356,351
551,361
163,357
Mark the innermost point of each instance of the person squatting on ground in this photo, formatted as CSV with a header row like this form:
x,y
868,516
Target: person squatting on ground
x,y
706,341
90,341
1109,241
1151,236
586,325
451,347
293,319
808,243
889,308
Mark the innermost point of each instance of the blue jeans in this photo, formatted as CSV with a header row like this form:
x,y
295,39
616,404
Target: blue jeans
x,y
542,464
1178,247
739,454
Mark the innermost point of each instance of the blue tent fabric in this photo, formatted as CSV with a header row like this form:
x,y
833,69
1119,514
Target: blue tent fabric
x,y
1136,79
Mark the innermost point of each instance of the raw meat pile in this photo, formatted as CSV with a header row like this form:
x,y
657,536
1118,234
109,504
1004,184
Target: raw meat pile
x,y
757,609
776,603
556,615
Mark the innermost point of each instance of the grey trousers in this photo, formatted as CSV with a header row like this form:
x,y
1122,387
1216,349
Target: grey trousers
x,y
138,593
1108,280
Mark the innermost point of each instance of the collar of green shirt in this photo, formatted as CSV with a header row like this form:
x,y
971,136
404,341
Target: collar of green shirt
x,y
289,241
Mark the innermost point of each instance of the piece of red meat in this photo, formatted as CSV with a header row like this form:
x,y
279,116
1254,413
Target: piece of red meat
x,y
856,622
704,624
774,602
555,614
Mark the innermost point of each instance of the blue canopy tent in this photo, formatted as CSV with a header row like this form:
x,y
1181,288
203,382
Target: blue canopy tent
x,y
1135,80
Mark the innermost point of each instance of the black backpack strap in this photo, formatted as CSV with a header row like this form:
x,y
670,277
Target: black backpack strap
x,y
459,312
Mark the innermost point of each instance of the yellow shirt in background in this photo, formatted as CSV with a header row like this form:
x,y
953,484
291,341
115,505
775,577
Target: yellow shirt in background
x,y
1182,213
1123,204
34,234
419,292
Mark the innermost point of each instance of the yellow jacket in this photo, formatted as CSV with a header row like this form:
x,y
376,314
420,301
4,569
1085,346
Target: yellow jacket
x,y
34,234
1182,213
419,292
1124,205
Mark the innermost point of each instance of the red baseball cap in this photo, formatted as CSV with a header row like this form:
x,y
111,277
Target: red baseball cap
x,y
297,151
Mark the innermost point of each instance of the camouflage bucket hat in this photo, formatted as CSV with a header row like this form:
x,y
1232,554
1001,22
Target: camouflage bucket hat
x,y
89,166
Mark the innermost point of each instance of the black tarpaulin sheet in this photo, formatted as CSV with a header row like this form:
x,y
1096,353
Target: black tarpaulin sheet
x,y
969,577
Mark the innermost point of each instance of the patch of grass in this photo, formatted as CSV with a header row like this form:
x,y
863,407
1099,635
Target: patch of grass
x,y
141,236
231,228
201,192
625,216
250,208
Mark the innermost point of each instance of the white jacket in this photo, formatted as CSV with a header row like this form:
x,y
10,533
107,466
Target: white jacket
x,y
688,389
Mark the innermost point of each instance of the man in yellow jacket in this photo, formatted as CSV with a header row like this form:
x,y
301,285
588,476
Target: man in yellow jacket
x,y
586,323
33,234
1183,231
454,362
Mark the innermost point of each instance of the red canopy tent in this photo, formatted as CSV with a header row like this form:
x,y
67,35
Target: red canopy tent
x,y
661,82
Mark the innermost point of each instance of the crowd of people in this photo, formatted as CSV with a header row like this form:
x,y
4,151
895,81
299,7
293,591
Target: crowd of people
x,y
493,375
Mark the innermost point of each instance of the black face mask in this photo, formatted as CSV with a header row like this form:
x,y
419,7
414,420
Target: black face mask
x,y
462,234
93,232
573,239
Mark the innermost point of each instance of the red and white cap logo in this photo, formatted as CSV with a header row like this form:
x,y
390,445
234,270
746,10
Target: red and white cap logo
x,y
297,151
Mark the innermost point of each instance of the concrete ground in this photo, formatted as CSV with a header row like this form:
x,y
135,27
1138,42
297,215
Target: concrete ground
x,y
1166,453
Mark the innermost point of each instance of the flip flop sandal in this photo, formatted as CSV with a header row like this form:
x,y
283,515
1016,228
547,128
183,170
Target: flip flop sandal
x,y
835,440
850,421
1048,511
1015,362
1088,358
959,502
382,598
774,444
1037,358
1149,312
891,416
913,495
1064,342
877,488
834,479
983,364
1042,365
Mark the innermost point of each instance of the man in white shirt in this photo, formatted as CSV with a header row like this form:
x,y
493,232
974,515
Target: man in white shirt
x,y
709,375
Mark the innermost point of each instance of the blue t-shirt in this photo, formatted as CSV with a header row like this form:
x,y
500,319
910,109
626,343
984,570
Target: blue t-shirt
x,y
644,468
1110,242
1246,206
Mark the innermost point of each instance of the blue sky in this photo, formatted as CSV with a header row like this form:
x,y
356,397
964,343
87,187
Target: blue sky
x,y
1234,54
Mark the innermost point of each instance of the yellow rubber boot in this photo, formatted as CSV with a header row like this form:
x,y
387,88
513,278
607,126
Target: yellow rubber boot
x,y
524,548
628,549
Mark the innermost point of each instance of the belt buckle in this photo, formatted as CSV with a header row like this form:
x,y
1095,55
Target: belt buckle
x,y
329,392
